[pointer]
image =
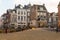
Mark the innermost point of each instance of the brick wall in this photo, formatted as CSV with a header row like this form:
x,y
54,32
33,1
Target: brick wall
x,y
59,16
33,13
59,12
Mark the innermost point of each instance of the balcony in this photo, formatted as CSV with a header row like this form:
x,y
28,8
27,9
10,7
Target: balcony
x,y
41,10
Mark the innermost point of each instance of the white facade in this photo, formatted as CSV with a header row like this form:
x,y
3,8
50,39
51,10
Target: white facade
x,y
19,17
23,17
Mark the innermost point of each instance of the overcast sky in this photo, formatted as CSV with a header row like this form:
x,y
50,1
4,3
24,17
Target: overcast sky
x,y
51,5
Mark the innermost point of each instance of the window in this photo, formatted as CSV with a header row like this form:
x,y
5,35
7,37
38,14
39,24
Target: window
x,y
18,12
14,18
54,19
44,14
13,11
41,13
19,23
28,19
28,13
24,23
24,13
21,12
41,8
38,13
38,8
24,18
49,19
19,26
18,17
21,18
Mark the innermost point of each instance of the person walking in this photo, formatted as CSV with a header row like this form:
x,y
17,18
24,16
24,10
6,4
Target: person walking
x,y
6,30
56,29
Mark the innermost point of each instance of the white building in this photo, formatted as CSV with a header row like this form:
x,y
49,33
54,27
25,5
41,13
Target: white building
x,y
19,16
23,17
52,19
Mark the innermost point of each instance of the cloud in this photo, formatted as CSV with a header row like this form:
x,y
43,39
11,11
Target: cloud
x,y
0,1
51,5
16,1
23,2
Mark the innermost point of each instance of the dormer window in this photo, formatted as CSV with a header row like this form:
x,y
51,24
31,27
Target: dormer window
x,y
18,12
38,8
13,11
41,8
59,4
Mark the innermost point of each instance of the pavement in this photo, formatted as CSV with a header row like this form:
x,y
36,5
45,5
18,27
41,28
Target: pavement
x,y
31,34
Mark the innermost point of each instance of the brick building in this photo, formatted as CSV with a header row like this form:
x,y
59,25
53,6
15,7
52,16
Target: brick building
x,y
52,20
6,20
59,15
38,15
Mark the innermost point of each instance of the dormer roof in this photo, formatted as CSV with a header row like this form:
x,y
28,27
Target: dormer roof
x,y
59,4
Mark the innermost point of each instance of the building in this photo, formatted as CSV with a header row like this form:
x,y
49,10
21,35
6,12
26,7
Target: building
x,y
17,17
59,15
52,20
12,18
23,16
55,19
1,23
39,15
6,20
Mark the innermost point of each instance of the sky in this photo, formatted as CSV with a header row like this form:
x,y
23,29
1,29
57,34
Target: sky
x,y
51,5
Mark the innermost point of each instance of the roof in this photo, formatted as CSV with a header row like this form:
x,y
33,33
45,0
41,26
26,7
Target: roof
x,y
18,6
11,10
40,6
27,6
59,4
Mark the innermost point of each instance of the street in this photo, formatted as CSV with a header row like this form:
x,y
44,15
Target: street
x,y
35,34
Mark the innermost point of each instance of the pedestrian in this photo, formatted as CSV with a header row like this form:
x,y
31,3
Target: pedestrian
x,y
56,29
5,30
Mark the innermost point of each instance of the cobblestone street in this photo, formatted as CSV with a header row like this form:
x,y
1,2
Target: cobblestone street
x,y
36,34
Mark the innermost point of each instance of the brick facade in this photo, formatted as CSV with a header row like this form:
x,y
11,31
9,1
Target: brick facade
x,y
33,12
39,14
59,11
59,15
